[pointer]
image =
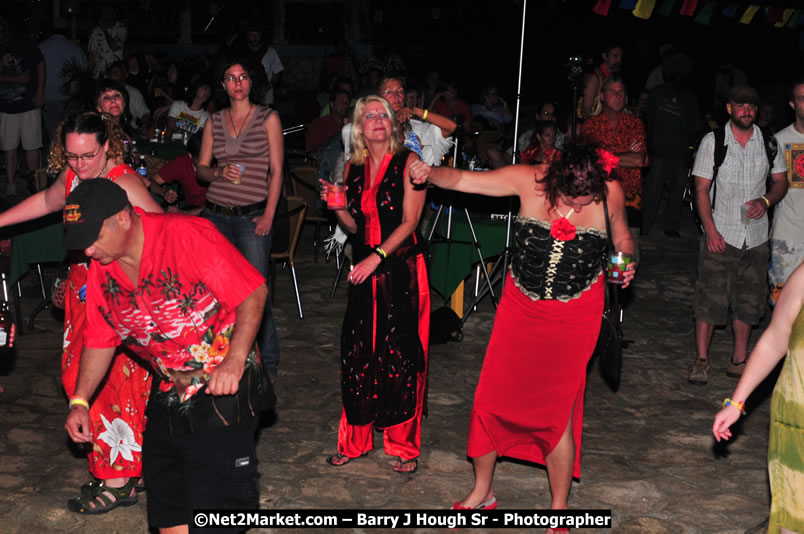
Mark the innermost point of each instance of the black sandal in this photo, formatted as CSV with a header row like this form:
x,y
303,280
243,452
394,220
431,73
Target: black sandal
x,y
98,494
89,487
402,463
339,456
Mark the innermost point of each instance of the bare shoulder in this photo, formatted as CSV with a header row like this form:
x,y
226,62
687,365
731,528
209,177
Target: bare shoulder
x,y
614,192
526,173
273,120
129,180
412,156
61,179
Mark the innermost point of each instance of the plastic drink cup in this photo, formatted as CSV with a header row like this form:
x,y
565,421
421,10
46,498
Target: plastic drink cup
x,y
744,218
336,197
616,267
242,169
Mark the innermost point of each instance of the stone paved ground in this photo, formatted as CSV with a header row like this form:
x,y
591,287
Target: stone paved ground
x,y
648,452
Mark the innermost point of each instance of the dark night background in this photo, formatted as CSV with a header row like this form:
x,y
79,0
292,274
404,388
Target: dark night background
x,y
475,42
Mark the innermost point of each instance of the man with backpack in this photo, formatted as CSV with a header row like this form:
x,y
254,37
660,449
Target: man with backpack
x,y
732,199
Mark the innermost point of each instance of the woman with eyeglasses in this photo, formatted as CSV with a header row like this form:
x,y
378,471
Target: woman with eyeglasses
x,y
423,132
246,140
86,147
385,334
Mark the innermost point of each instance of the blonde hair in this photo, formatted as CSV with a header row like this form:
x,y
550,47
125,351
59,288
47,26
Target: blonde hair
x,y
102,125
358,155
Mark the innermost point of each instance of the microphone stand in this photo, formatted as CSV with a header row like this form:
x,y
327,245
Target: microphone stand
x,y
448,203
505,256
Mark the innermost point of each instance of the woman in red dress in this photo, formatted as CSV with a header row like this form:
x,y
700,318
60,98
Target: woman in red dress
x,y
543,147
89,146
385,336
529,400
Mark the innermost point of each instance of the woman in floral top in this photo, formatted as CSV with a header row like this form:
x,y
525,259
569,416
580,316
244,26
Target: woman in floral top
x,y
90,146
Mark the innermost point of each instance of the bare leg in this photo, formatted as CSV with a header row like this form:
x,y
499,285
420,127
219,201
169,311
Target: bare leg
x,y
703,337
117,482
11,165
181,529
484,475
32,159
559,468
786,531
742,333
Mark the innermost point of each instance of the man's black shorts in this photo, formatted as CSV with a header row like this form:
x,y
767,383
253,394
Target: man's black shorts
x,y
212,469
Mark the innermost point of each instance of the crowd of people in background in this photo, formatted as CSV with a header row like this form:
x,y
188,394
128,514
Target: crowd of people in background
x,y
378,116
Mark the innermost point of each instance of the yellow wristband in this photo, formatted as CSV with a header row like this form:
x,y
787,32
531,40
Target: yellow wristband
x,y
737,404
79,401
424,115
767,202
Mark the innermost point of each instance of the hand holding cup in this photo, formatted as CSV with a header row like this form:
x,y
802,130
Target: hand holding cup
x,y
233,172
621,269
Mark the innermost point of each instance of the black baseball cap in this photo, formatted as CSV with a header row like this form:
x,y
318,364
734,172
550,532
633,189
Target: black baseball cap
x,y
91,203
743,94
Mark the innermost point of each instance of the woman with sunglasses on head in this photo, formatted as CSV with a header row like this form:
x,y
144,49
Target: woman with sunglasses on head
x,y
423,132
246,140
385,334
529,400
86,147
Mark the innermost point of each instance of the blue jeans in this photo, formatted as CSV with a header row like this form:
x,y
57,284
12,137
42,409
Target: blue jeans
x,y
239,229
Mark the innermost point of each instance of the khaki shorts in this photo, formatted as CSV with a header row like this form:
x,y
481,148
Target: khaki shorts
x,y
25,127
736,280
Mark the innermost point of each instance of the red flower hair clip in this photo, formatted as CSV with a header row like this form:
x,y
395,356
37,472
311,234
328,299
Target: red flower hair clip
x,y
607,160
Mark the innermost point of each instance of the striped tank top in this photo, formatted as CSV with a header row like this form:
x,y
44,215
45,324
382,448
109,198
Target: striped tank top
x,y
250,149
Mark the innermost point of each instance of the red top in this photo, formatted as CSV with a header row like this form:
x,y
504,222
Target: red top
x,y
180,315
368,202
461,108
72,181
181,169
320,130
533,154
629,130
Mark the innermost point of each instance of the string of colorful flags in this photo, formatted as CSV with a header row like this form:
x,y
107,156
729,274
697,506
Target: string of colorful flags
x,y
704,11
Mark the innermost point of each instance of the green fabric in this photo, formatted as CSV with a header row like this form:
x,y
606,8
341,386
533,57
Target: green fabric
x,y
37,246
451,263
165,151
786,443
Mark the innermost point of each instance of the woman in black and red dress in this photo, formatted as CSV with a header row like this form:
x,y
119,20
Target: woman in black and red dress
x,y
385,335
529,399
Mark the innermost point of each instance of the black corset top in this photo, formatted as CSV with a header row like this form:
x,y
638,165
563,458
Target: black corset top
x,y
547,268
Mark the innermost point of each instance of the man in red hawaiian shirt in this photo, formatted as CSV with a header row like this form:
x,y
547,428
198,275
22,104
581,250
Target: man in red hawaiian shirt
x,y
180,296
623,134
